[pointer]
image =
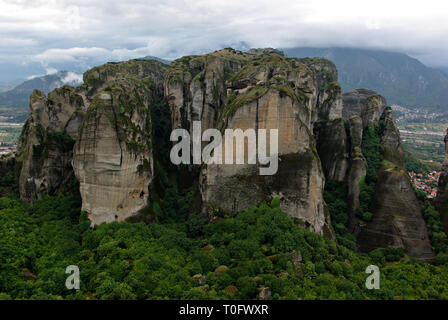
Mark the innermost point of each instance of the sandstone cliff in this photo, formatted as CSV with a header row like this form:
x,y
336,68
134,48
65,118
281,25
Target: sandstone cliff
x,y
229,89
103,132
101,129
367,104
397,215
442,191
45,147
112,157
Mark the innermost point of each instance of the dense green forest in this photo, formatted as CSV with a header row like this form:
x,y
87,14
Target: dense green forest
x,y
238,255
169,252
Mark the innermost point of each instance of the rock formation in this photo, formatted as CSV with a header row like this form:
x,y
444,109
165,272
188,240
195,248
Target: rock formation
x,y
112,157
442,189
230,90
357,169
102,133
45,148
397,215
101,129
367,104
361,108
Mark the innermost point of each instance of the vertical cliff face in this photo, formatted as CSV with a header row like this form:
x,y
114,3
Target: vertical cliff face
x,y
397,215
357,169
328,124
113,154
442,189
103,133
107,122
195,86
113,159
45,146
361,109
229,90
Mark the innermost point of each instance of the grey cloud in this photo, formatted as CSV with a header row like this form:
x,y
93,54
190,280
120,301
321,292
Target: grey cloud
x,y
83,33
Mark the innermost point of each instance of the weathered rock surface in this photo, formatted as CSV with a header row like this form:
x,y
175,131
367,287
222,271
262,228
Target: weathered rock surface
x,y
357,169
265,91
332,147
108,118
113,158
361,108
442,189
195,86
365,103
46,143
397,214
102,132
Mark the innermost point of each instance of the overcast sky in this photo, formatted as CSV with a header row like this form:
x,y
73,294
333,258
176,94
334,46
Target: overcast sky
x,y
51,33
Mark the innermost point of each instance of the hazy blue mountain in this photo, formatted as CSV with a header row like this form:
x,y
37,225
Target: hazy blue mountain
x,y
167,62
5,87
19,96
401,79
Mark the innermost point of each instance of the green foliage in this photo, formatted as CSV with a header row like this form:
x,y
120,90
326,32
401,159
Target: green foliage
x,y
439,240
158,261
60,141
415,165
335,196
373,153
8,184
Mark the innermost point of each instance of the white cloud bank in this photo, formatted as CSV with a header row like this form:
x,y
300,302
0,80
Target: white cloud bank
x,y
52,32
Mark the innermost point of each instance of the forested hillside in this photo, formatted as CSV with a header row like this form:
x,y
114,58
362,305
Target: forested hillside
x,y
260,252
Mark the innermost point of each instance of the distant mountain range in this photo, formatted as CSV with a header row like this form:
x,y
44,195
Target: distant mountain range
x,y
401,79
18,97
167,62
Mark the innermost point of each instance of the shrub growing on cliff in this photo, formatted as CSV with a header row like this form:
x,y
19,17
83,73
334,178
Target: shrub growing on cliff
x,y
439,239
373,153
335,196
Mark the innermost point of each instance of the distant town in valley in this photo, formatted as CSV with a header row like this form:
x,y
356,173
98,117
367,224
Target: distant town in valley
x,y
9,135
426,182
422,133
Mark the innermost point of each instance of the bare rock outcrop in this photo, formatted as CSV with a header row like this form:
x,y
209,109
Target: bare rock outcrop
x,y
195,86
328,124
333,148
112,157
357,169
442,189
269,91
362,108
102,133
107,122
397,215
46,143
